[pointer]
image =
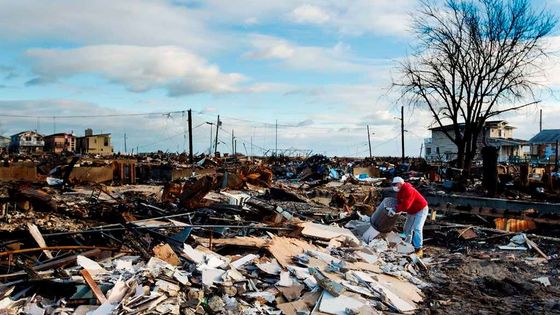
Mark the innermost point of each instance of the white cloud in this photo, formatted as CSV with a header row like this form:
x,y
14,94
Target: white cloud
x,y
307,13
251,21
138,68
357,17
137,22
315,58
267,47
548,72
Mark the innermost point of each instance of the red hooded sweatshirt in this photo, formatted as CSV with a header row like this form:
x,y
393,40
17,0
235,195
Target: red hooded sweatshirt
x,y
410,200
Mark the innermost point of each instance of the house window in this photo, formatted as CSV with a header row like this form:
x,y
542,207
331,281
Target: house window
x,y
28,138
106,141
437,150
428,151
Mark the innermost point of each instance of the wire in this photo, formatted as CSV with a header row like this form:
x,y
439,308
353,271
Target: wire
x,y
92,116
169,138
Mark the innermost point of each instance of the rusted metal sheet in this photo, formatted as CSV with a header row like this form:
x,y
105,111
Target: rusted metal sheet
x,y
18,173
93,174
493,203
188,172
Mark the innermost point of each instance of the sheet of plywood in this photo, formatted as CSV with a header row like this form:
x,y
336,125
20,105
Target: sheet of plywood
x,y
284,248
404,289
327,232
292,308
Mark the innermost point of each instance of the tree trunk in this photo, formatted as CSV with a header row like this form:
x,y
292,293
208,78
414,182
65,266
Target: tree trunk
x,y
490,170
460,154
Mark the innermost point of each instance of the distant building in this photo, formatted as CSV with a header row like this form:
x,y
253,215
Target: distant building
x,y
26,142
95,144
543,144
497,133
59,142
4,142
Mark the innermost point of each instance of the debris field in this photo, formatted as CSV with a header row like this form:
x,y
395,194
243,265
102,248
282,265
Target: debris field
x,y
261,236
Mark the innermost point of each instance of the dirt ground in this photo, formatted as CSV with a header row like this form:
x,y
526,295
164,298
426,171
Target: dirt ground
x,y
496,283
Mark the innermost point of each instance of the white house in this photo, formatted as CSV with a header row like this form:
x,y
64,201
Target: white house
x,y
497,133
27,142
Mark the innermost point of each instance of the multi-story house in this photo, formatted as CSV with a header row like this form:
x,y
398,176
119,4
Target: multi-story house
x,y
495,133
26,142
60,142
95,143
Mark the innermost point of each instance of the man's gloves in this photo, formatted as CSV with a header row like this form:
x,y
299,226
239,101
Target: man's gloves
x,y
364,218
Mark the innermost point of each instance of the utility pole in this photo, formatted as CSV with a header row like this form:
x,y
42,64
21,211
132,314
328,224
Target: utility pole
x,y
218,124
540,121
137,152
276,146
402,132
191,157
233,142
369,142
556,158
125,151
211,142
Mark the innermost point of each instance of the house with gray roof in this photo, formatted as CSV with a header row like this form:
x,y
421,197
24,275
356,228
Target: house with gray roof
x,y
543,144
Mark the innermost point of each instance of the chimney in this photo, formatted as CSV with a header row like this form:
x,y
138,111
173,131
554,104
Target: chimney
x,y
89,132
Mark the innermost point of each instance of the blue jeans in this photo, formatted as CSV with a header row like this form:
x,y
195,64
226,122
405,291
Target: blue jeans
x,y
414,226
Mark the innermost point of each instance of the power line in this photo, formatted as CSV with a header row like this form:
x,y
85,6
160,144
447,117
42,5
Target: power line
x,y
91,116
168,138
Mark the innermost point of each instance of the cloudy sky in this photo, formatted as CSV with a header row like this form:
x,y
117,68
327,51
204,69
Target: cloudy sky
x,y
322,69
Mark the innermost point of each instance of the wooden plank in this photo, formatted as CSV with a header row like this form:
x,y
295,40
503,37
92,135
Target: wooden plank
x,y
58,263
49,248
93,286
244,241
38,237
535,247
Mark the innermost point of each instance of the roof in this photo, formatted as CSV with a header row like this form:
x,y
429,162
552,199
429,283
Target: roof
x,y
32,131
490,123
546,136
97,135
508,141
60,134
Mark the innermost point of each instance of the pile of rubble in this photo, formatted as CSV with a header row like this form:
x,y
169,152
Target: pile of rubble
x,y
297,268
243,237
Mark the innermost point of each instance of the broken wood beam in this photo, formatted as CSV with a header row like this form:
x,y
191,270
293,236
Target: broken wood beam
x,y
243,241
49,248
534,246
93,286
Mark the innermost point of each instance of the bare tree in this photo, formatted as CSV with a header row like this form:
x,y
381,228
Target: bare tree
x,y
475,59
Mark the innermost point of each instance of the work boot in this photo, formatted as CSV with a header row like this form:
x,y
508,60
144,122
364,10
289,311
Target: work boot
x,y
419,252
